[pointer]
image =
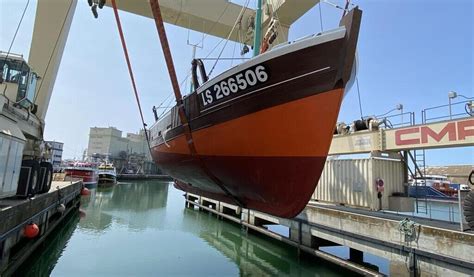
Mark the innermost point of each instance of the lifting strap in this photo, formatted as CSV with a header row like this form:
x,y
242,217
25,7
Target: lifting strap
x,y
155,8
132,78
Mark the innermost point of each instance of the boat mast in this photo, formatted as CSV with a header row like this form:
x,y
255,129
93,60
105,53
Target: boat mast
x,y
258,26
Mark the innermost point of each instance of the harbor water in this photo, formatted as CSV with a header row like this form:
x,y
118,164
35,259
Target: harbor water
x,y
143,229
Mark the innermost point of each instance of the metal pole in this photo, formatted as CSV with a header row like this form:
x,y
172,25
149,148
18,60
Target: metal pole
x,y
450,116
191,87
460,209
258,26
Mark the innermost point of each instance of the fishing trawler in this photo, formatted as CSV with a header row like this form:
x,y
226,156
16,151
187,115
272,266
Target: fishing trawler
x,y
258,134
107,174
81,170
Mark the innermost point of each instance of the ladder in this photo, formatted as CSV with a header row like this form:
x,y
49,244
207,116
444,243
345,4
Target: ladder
x,y
419,161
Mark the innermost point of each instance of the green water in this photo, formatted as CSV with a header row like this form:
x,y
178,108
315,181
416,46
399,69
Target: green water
x,y
143,229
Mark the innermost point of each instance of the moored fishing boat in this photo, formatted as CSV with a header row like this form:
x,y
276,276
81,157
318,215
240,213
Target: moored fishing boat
x,y
107,174
258,134
85,171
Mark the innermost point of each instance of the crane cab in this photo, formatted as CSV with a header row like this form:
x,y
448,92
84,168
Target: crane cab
x,y
17,80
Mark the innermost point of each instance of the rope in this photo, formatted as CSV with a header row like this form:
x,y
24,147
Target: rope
x,y
321,17
13,39
358,93
17,28
155,8
230,34
130,71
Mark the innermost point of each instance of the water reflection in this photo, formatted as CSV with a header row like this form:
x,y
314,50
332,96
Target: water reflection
x,y
125,204
254,254
143,229
45,258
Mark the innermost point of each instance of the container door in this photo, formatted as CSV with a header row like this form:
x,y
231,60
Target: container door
x,y
10,166
4,144
16,162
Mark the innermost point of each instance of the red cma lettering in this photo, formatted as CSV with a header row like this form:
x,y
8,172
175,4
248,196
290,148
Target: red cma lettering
x,y
400,141
454,130
450,129
463,132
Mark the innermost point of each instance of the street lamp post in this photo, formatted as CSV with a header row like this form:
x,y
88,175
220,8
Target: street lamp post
x,y
451,95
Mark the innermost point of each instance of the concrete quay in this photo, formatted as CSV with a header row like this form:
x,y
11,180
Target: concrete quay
x,y
418,247
45,210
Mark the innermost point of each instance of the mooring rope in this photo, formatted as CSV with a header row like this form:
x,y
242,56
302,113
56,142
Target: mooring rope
x,y
130,71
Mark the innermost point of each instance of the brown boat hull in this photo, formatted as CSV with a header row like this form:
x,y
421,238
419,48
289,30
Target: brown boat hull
x,y
270,160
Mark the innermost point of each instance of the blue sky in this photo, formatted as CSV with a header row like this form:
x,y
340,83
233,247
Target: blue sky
x,y
410,52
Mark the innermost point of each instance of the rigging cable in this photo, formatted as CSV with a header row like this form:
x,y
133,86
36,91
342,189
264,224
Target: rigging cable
x,y
130,71
321,17
14,37
17,28
230,34
155,8
358,92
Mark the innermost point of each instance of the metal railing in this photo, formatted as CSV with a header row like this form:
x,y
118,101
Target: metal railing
x,y
446,112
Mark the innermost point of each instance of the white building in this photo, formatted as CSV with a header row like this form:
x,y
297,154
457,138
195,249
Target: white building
x,y
109,142
56,153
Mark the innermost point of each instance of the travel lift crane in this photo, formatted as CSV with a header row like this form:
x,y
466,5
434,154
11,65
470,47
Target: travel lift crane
x,y
26,86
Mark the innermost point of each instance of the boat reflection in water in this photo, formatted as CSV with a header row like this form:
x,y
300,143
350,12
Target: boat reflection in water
x,y
143,229
126,204
256,255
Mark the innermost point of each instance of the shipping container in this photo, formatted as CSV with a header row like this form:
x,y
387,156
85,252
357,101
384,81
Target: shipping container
x,y
12,143
353,182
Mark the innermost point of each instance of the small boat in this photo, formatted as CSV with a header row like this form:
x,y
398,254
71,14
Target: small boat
x,y
85,171
435,186
107,174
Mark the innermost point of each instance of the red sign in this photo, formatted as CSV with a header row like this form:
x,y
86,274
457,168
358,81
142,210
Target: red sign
x,y
453,131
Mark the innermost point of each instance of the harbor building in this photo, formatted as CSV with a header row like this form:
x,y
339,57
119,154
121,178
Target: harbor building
x,y
110,142
56,152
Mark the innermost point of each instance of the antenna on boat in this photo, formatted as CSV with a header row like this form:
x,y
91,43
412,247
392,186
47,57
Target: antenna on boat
x,y
194,46
258,29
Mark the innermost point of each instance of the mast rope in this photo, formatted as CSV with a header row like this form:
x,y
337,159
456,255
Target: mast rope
x,y
155,8
130,71
230,34
321,17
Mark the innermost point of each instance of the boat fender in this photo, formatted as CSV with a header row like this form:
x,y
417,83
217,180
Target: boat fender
x,y
82,213
31,230
61,208
164,138
85,191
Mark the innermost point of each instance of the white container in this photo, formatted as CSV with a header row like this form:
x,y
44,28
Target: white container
x,y
12,143
352,182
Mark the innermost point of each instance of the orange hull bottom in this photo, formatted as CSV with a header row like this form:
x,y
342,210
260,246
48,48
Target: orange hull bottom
x,y
270,160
